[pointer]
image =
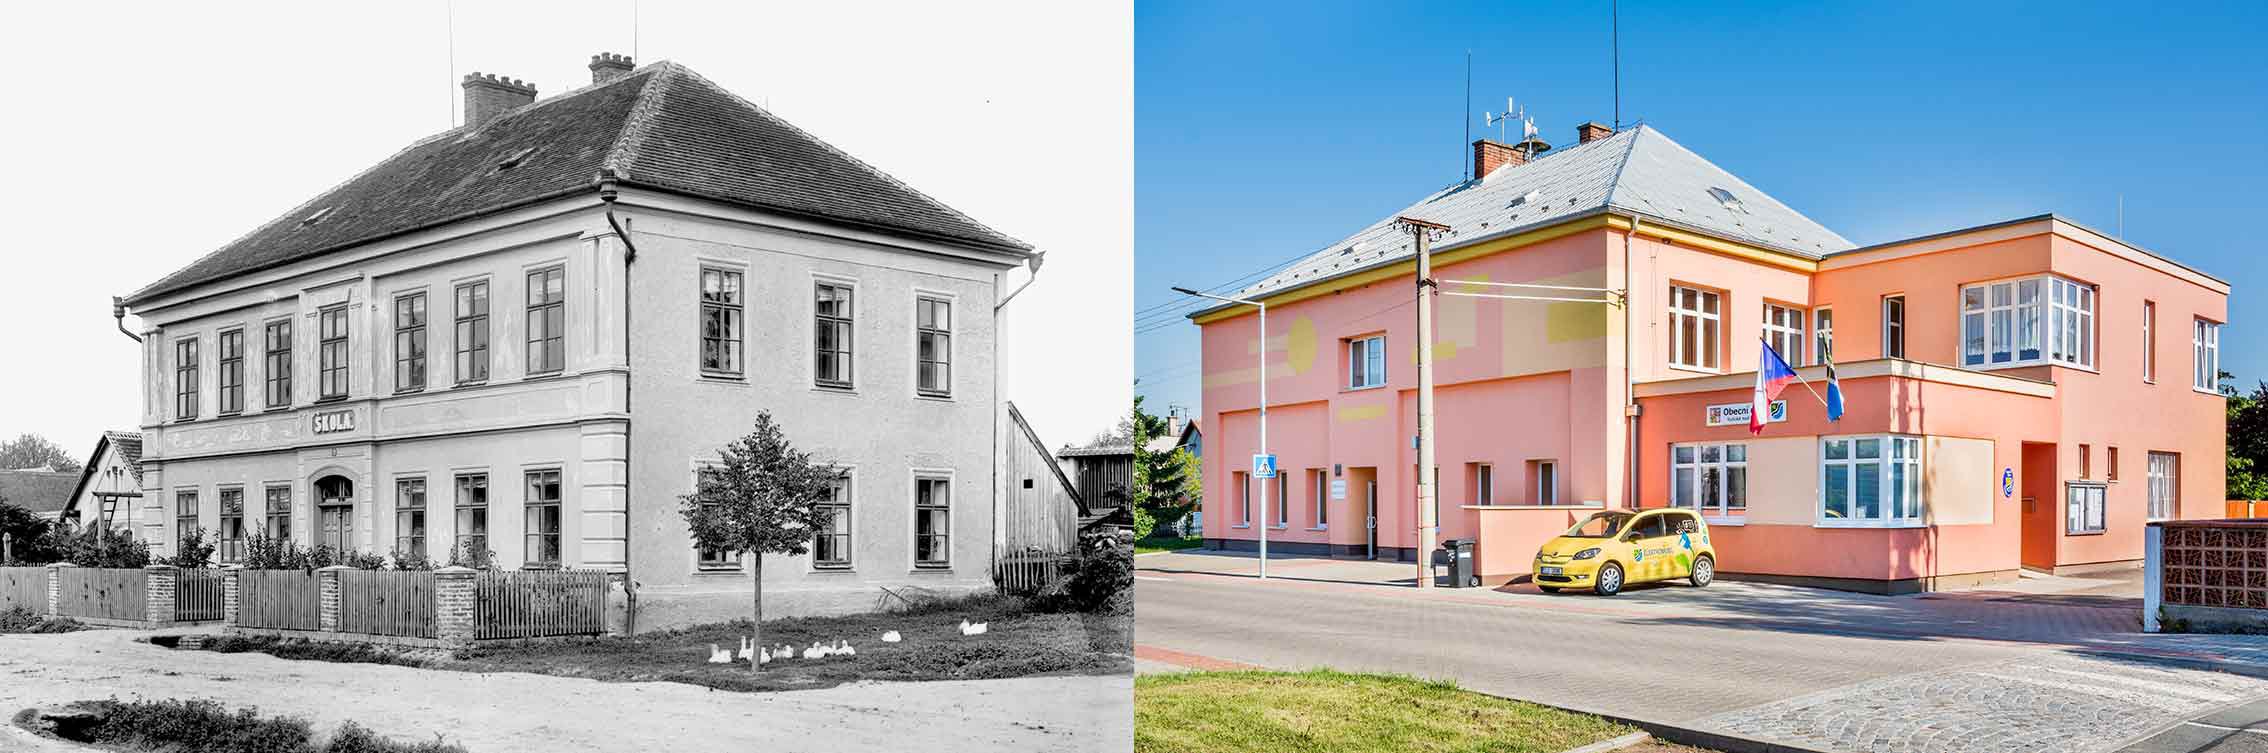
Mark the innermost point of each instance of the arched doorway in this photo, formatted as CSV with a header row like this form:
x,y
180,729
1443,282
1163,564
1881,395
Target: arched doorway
x,y
334,507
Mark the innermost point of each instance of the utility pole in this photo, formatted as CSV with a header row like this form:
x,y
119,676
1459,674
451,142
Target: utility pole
x,y
1421,234
1267,482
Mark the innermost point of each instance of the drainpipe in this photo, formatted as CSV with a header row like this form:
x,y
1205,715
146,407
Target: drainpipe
x,y
608,194
118,311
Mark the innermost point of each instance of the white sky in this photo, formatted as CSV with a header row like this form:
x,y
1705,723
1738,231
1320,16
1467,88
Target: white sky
x,y
141,136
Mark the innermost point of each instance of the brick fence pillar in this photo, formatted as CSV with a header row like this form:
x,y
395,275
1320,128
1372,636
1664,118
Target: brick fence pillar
x,y
231,595
453,596
157,596
330,615
55,588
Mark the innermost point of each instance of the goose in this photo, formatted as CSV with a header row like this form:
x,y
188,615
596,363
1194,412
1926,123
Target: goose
x,y
845,648
891,637
973,628
763,656
717,655
747,647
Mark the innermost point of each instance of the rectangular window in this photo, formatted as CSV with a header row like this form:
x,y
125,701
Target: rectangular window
x,y
2028,322
184,517
2110,464
1823,333
933,346
547,320
331,369
1319,488
1283,499
185,379
2165,486
472,516
472,332
1693,328
1484,484
707,558
277,352
542,502
1547,482
1870,481
2086,461
831,547
1784,331
2082,508
721,321
831,335
2150,341
1711,479
1894,327
409,516
409,342
1366,362
1243,499
933,522
232,372
230,544
278,510
2205,344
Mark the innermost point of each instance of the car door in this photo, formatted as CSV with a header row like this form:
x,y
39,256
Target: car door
x,y
1645,549
1683,538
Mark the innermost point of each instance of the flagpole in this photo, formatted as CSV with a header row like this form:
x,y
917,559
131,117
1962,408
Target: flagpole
x,y
1798,375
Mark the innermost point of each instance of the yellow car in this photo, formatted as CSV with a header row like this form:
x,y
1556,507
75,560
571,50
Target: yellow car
x,y
1616,548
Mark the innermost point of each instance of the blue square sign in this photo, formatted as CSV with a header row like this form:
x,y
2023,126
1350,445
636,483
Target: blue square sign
x,y
1263,466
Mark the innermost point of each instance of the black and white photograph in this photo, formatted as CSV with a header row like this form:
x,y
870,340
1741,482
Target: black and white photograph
x,y
625,375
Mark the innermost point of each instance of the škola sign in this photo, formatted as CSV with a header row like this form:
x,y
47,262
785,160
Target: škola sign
x,y
1729,414
338,420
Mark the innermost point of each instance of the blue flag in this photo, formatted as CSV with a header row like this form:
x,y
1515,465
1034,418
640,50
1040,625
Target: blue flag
x,y
1834,385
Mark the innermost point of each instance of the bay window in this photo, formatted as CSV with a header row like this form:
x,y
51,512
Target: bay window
x,y
1711,479
2028,322
1870,481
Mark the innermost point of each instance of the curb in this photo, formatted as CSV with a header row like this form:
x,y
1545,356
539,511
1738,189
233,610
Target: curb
x,y
1618,743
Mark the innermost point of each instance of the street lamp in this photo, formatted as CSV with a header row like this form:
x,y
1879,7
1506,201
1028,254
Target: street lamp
x,y
1263,306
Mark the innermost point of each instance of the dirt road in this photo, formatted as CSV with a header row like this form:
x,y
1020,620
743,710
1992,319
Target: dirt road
x,y
495,713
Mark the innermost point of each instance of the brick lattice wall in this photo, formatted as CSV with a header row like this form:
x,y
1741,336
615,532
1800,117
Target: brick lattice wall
x,y
2216,564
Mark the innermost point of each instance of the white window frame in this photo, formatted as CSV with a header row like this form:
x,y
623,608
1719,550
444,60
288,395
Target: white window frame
x,y
1484,484
2150,342
1822,331
1693,457
1244,500
1707,317
1547,482
1364,353
1894,326
2164,501
2079,495
1895,451
1320,478
2057,323
1283,500
2205,356
1781,335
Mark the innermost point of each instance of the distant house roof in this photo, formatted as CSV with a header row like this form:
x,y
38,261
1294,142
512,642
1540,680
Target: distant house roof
x,y
128,446
37,491
1088,452
661,127
1638,171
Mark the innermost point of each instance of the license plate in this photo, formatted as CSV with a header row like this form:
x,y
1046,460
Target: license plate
x,y
1551,571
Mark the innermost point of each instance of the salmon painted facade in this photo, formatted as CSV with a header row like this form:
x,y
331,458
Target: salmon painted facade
x,y
2026,394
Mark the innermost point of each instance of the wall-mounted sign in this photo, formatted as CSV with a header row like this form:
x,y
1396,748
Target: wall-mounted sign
x,y
1338,488
334,421
1730,414
2007,482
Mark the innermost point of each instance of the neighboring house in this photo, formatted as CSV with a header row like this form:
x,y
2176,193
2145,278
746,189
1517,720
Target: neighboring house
x,y
1041,511
1104,475
110,489
39,491
529,334
2024,394
1182,434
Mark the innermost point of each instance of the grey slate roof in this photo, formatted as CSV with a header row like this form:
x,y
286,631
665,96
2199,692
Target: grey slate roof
x,y
37,491
661,126
1637,171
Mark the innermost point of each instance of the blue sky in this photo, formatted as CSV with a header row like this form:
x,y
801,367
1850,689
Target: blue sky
x,y
1264,132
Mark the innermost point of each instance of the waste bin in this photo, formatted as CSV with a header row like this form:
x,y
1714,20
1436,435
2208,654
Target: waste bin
x,y
1457,556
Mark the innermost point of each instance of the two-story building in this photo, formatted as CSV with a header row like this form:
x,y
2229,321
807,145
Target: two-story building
x,y
523,338
2026,394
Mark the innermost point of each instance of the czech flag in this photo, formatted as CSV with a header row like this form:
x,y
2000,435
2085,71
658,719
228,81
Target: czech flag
x,y
1772,375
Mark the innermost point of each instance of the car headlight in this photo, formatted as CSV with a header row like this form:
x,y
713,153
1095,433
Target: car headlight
x,y
1587,553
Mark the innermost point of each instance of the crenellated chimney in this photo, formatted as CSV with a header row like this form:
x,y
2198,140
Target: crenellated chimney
x,y
607,66
488,95
1592,131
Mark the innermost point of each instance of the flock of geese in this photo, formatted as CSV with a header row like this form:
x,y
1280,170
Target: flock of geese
x,y
749,651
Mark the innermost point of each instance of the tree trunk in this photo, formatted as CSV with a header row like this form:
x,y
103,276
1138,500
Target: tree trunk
x,y
756,624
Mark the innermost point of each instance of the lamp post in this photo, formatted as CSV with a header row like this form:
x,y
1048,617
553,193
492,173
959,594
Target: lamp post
x,y
1263,306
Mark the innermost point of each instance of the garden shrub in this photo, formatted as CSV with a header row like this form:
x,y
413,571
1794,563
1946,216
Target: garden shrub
x,y
21,620
1104,568
203,726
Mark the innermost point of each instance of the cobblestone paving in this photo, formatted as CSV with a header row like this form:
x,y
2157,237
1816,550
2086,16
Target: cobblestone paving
x,y
2042,702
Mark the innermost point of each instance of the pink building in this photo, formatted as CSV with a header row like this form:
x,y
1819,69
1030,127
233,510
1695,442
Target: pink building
x,y
2026,394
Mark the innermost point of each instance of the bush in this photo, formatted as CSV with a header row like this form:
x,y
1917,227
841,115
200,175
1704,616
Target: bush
x,y
1144,523
195,552
97,546
203,726
263,553
21,620
1104,569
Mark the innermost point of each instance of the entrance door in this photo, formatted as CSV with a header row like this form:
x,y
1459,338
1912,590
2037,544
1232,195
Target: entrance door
x,y
2040,506
334,499
1370,520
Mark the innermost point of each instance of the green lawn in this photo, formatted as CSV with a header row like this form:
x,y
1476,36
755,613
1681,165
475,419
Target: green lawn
x,y
1325,710
1165,544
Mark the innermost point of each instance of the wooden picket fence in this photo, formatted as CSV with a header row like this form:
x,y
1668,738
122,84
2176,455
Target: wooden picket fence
x,y
197,595
387,602
103,593
537,603
23,588
279,599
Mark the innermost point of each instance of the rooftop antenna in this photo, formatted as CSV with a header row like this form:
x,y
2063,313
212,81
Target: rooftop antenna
x,y
634,30
2122,217
1615,37
450,12
1499,119
1465,163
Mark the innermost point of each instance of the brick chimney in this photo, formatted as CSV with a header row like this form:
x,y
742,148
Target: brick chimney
x,y
607,66
488,95
1592,131
1488,155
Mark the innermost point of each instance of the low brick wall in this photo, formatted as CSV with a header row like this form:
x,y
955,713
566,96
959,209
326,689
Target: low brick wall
x,y
2206,576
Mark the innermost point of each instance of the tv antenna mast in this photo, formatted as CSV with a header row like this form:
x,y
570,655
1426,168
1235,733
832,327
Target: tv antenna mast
x,y
1499,119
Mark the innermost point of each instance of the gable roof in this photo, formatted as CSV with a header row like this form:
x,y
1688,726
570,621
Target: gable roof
x,y
661,126
37,491
1637,171
128,446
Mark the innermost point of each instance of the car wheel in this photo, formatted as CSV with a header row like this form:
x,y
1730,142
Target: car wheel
x,y
1473,583
1704,572
1548,589
1609,581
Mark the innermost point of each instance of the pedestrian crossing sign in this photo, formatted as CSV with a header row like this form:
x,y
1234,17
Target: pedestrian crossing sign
x,y
1263,466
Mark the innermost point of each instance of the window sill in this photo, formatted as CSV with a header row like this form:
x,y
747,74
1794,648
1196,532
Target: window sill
x,y
935,397
1320,529
228,414
1599,506
540,566
719,376
276,409
826,389
1241,525
544,375
931,570
481,382
330,399
1865,525
834,569
409,391
1279,527
2083,533
1364,388
1732,521
1695,369
2194,388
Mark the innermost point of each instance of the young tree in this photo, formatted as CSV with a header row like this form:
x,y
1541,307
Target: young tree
x,y
763,499
35,451
1166,484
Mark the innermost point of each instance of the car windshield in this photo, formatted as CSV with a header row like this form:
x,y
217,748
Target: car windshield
x,y
1602,525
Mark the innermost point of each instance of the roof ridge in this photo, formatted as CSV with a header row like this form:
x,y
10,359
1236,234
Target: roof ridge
x,y
824,144
1614,182
633,134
